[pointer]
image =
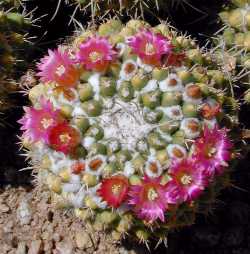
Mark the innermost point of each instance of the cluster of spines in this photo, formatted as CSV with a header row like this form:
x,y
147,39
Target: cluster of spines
x,y
234,43
14,24
132,8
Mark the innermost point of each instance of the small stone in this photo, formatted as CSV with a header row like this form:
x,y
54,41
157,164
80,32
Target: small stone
x,y
24,212
4,208
21,248
35,247
64,247
8,226
83,240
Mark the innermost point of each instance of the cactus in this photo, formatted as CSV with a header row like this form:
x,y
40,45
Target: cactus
x,y
133,129
134,8
14,24
235,41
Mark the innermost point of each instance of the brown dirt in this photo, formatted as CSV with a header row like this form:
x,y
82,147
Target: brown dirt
x,y
29,224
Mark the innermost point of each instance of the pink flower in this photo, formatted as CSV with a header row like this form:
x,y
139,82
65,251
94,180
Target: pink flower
x,y
187,183
212,150
150,47
37,123
149,199
64,138
58,67
96,54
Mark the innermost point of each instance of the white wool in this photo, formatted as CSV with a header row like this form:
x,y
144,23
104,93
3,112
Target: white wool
x,y
59,162
77,199
78,111
75,178
126,123
168,138
87,142
119,83
71,187
152,85
108,103
94,81
128,169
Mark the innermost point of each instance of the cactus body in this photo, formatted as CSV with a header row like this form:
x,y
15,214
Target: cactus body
x,y
131,129
132,8
235,41
14,25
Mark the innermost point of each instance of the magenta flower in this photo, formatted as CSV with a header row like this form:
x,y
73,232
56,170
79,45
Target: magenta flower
x,y
149,199
187,183
58,67
37,123
96,54
150,47
212,150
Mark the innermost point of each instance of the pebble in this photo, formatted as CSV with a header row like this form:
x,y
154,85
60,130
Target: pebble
x,y
83,240
24,212
4,208
8,226
21,248
35,247
64,247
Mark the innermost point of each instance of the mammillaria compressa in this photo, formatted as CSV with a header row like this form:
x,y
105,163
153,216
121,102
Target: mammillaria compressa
x,y
131,127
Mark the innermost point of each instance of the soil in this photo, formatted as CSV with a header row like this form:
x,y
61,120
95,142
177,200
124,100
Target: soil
x,y
30,224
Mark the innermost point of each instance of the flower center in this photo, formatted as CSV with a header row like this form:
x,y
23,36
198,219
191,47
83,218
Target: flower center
x,y
116,189
152,194
65,138
149,49
210,151
47,122
95,56
186,179
60,70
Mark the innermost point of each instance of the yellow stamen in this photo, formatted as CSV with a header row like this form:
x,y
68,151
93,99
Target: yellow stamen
x,y
149,49
65,138
152,194
186,179
60,70
46,122
116,189
95,56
